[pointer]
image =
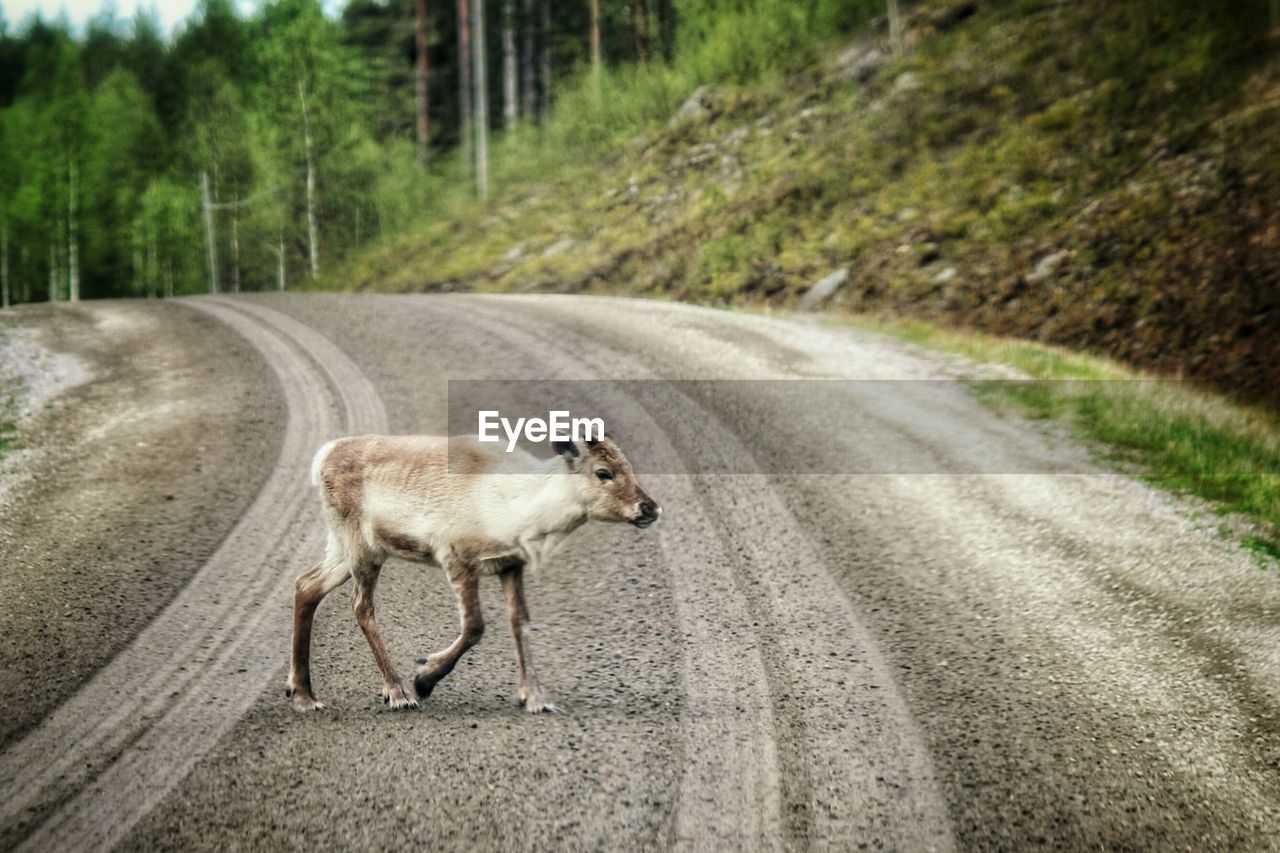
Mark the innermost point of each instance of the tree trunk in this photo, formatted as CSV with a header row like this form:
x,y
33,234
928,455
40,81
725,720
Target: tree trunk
x,y
135,249
482,100
313,240
510,94
22,287
4,265
73,238
666,33
529,82
211,242
895,28
235,248
421,79
168,277
545,62
642,29
280,258
595,41
464,80
153,262
53,264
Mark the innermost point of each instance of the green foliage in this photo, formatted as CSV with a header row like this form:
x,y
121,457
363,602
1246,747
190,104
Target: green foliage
x,y
109,136
740,40
1176,439
9,437
1178,435
8,429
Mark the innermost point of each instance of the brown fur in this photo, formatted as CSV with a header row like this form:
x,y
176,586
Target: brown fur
x,y
357,475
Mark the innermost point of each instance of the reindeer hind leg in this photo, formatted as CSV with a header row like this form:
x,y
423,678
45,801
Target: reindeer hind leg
x,y
393,692
466,583
309,590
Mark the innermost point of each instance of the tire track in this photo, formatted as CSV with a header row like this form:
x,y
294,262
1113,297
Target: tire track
x,y
832,687
730,793
163,701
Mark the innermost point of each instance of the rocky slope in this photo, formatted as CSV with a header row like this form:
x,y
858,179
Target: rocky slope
x,y
1104,176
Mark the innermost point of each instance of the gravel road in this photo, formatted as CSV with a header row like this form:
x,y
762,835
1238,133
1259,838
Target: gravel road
x,y
1047,656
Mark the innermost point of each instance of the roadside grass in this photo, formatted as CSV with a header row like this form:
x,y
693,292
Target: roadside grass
x,y
1178,435
8,410
8,426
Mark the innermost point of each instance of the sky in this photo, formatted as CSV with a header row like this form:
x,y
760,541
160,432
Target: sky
x,y
80,11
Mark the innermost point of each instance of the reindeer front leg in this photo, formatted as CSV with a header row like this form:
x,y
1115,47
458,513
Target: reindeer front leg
x,y
531,694
466,583
393,694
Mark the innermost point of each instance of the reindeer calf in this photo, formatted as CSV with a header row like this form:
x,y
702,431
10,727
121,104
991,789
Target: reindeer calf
x,y
494,512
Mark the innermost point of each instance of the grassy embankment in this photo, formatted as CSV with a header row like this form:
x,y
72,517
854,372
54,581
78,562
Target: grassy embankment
x,y
1105,176
8,414
1100,176
1181,436
8,429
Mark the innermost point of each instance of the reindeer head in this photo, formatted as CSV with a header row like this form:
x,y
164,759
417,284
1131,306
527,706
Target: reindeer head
x,y
607,482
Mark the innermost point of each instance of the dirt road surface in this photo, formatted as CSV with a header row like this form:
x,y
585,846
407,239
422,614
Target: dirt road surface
x,y
1043,654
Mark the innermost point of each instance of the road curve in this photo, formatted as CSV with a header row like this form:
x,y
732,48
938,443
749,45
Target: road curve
x,y
1040,654
135,729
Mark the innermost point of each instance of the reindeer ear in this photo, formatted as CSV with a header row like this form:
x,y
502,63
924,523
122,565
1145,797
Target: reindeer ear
x,y
567,449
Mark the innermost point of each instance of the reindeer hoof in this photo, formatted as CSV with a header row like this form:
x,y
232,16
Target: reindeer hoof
x,y
424,684
304,703
396,699
542,706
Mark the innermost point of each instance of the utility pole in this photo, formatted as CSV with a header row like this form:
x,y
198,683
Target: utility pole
x,y
207,203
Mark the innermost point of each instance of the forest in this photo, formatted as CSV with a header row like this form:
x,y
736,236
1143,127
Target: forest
x,y
248,153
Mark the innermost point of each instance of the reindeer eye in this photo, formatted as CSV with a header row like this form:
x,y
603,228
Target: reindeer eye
x,y
604,474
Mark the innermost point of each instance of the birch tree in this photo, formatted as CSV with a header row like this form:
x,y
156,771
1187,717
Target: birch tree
x,y
309,80
313,237
128,142
73,230
67,129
